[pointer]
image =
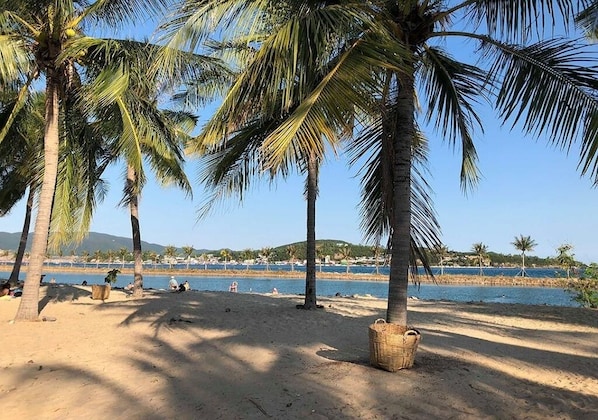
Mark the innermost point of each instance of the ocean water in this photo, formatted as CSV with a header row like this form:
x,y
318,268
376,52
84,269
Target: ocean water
x,y
497,294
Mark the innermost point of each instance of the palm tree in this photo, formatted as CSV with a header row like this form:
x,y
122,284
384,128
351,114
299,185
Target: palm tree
x,y
480,250
187,252
376,251
523,244
565,259
170,253
123,252
319,254
247,255
225,254
97,255
292,253
380,50
266,254
345,253
442,252
40,39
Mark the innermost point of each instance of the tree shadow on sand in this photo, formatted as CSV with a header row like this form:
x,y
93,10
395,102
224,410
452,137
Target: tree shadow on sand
x,y
229,355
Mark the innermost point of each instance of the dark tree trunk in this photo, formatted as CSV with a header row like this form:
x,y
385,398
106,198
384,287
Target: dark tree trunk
x,y
16,269
402,141
310,269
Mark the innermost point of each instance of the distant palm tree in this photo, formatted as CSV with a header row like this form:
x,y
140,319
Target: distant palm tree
x,y
376,251
442,252
266,254
247,256
565,259
480,250
170,253
225,254
345,253
523,244
292,252
123,252
97,255
187,252
320,254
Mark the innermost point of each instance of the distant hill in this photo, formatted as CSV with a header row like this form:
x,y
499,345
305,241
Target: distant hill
x,y
94,242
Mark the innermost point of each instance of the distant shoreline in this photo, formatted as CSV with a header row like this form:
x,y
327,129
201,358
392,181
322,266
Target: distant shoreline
x,y
446,279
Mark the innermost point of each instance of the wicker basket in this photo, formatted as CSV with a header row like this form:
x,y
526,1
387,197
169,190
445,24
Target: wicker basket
x,y
100,292
392,347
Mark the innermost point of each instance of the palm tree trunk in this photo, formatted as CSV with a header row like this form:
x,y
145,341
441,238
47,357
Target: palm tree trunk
x,y
402,140
310,269
16,269
29,307
136,231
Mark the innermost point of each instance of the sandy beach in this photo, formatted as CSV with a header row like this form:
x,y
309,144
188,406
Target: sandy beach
x,y
220,355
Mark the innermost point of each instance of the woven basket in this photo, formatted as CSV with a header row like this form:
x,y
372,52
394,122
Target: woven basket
x,y
392,347
100,292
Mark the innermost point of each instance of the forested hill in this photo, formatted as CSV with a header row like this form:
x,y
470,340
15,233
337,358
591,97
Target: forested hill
x,y
94,242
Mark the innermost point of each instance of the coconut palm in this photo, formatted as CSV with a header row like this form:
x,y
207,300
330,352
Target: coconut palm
x,y
225,254
442,252
480,250
292,253
187,253
266,253
382,49
565,258
344,254
40,39
170,254
523,244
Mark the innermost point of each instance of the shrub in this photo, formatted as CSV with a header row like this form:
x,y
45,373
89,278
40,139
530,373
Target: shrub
x,y
586,287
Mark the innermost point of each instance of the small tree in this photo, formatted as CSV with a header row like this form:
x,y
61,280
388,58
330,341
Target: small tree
x,y
480,250
187,252
523,244
565,258
225,254
170,253
292,251
247,256
586,287
266,254
345,253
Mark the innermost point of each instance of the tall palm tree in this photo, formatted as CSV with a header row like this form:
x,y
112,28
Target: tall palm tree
x,y
480,250
39,39
523,244
382,49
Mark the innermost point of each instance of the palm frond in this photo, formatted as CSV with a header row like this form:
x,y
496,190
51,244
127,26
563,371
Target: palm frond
x,y
550,88
452,88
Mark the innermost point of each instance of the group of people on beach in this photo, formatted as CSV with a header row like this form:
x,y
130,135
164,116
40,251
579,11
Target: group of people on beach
x,y
174,286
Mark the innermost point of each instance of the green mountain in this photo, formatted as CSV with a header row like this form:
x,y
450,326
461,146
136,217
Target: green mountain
x,y
94,242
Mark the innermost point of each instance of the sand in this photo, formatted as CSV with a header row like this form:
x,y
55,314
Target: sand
x,y
220,355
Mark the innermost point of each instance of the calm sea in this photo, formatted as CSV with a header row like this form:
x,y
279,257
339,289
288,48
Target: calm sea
x,y
498,294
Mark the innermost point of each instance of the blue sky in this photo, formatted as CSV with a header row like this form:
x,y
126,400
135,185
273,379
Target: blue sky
x,y
527,187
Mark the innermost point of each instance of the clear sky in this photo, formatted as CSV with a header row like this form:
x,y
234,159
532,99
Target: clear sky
x,y
528,188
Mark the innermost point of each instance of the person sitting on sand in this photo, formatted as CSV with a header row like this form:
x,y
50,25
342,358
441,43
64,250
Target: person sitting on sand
x,y
184,286
173,284
275,291
233,287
